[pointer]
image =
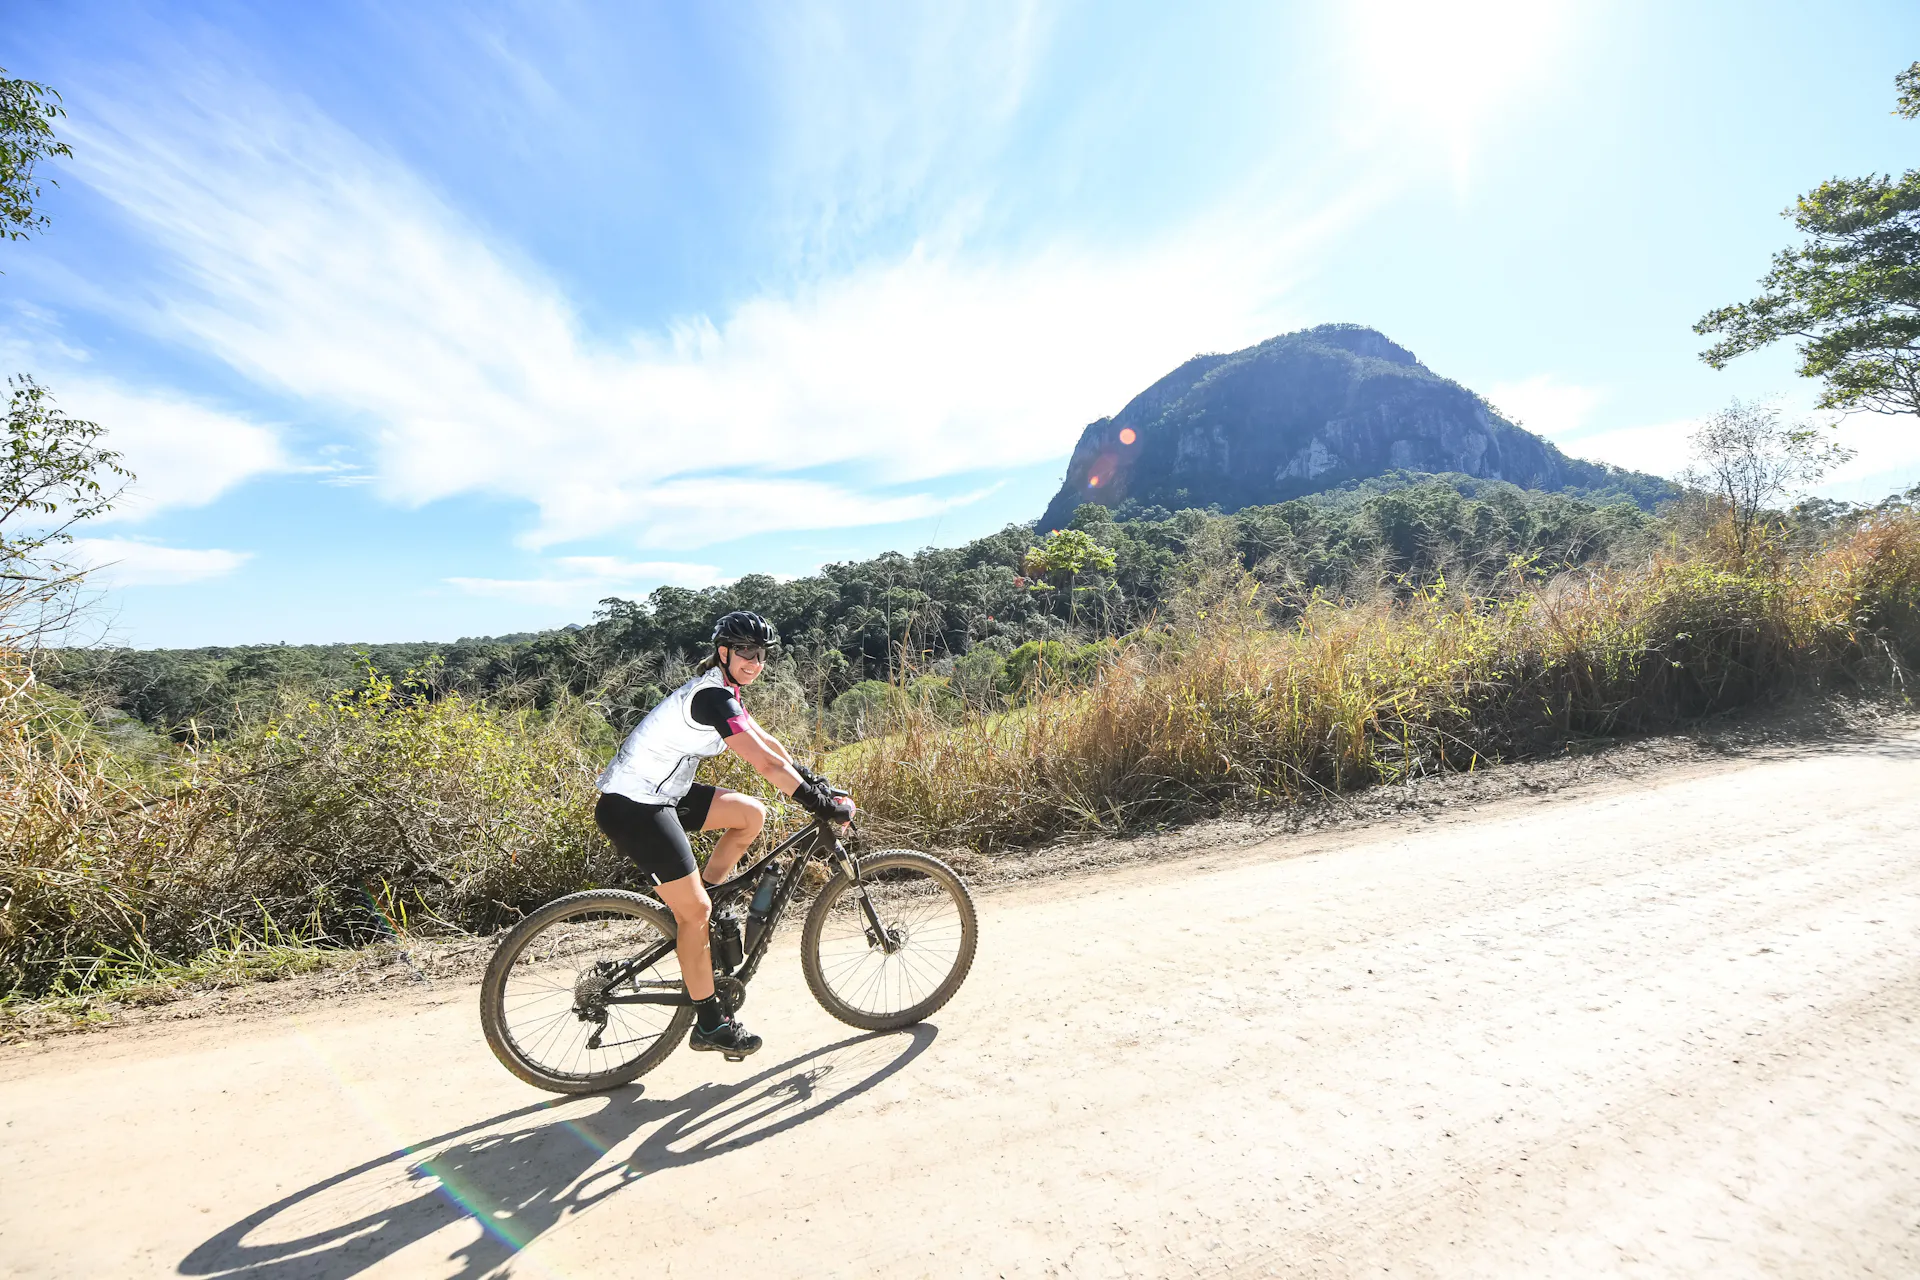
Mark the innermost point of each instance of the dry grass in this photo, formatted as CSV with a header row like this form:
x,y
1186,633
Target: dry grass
x,y
381,813
332,823
1229,711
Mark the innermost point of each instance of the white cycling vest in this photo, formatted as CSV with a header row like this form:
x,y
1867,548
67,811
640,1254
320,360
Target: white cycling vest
x,y
655,764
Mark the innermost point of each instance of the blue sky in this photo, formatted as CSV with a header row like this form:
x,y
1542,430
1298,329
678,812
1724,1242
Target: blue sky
x,y
429,320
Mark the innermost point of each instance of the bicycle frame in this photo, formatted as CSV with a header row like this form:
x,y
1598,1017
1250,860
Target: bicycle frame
x,y
824,843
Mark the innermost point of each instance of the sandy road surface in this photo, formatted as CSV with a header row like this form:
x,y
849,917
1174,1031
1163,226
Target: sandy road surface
x,y
1646,1031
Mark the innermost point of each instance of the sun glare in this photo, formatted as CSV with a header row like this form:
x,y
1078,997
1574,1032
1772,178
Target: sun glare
x,y
1443,69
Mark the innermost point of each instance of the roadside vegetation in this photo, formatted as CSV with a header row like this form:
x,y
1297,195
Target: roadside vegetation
x,y
1248,700
328,820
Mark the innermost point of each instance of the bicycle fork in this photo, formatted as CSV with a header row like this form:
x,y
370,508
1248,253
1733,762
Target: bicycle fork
x,y
878,935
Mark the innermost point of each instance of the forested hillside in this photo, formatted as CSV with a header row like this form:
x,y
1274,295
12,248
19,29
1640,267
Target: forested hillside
x,y
858,621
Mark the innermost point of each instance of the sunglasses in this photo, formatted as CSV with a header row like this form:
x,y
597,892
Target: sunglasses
x,y
750,653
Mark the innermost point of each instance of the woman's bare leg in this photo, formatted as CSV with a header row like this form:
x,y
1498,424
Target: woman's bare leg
x,y
691,907
742,817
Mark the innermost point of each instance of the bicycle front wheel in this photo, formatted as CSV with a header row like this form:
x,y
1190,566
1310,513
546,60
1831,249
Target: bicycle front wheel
x,y
896,965
565,1001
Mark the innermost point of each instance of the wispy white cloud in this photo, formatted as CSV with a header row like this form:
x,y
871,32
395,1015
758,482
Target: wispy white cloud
x,y
680,513
123,562
582,581
319,267
182,453
1563,412
1886,457
895,112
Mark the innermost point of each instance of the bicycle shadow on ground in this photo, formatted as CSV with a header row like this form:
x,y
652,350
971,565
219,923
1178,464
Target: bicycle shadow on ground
x,y
520,1173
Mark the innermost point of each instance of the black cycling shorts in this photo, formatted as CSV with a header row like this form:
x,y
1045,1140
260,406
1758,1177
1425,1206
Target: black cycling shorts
x,y
654,836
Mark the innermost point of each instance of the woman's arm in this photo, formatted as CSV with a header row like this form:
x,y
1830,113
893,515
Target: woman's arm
x,y
772,743
769,759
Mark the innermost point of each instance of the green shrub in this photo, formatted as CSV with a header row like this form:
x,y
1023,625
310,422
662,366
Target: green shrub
x,y
977,676
1033,664
865,709
937,696
1089,660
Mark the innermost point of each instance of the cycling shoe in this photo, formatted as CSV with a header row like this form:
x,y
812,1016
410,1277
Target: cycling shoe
x,y
729,1038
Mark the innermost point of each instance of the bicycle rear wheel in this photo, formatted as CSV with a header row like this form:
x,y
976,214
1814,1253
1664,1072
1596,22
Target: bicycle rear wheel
x,y
893,976
551,1004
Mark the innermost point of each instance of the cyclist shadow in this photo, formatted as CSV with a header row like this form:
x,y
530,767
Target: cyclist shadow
x,y
517,1180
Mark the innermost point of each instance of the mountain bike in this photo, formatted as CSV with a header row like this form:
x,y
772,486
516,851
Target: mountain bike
x,y
586,993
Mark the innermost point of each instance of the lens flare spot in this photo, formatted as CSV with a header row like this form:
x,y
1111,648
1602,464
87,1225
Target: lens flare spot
x,y
1094,481
1127,436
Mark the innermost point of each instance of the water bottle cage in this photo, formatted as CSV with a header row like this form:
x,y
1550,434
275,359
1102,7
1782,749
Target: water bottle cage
x,y
728,950
764,890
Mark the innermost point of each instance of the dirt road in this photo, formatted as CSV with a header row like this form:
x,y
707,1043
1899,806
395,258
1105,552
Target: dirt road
x,y
1638,1031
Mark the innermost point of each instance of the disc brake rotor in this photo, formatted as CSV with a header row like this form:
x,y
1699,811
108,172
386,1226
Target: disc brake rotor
x,y
891,941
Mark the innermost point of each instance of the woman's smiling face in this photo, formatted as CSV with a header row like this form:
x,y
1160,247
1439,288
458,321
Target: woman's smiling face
x,y
745,663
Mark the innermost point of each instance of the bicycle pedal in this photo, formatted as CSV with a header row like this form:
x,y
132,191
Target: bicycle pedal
x,y
734,1057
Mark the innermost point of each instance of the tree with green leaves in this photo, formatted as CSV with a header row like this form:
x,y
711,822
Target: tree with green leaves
x,y
1058,563
27,113
1067,553
53,474
1850,292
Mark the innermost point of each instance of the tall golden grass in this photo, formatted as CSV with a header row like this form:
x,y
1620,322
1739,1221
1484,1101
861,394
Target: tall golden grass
x,y
336,821
1229,710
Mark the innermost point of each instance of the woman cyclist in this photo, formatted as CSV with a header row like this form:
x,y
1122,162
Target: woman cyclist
x,y
649,801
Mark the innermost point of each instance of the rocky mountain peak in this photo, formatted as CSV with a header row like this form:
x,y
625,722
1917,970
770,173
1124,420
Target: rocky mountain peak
x,y
1300,413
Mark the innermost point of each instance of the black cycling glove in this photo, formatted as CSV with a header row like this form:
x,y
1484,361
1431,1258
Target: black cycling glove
x,y
817,798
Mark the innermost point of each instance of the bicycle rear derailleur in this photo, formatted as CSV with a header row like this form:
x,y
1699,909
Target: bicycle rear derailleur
x,y
590,998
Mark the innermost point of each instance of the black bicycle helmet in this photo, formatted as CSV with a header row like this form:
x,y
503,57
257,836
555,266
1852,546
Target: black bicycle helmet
x,y
744,627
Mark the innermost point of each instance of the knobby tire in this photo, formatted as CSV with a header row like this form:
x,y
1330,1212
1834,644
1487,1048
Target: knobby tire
x,y
944,883
493,993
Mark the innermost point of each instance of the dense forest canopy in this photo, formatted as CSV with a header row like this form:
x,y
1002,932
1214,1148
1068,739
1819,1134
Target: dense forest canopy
x,y
864,620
